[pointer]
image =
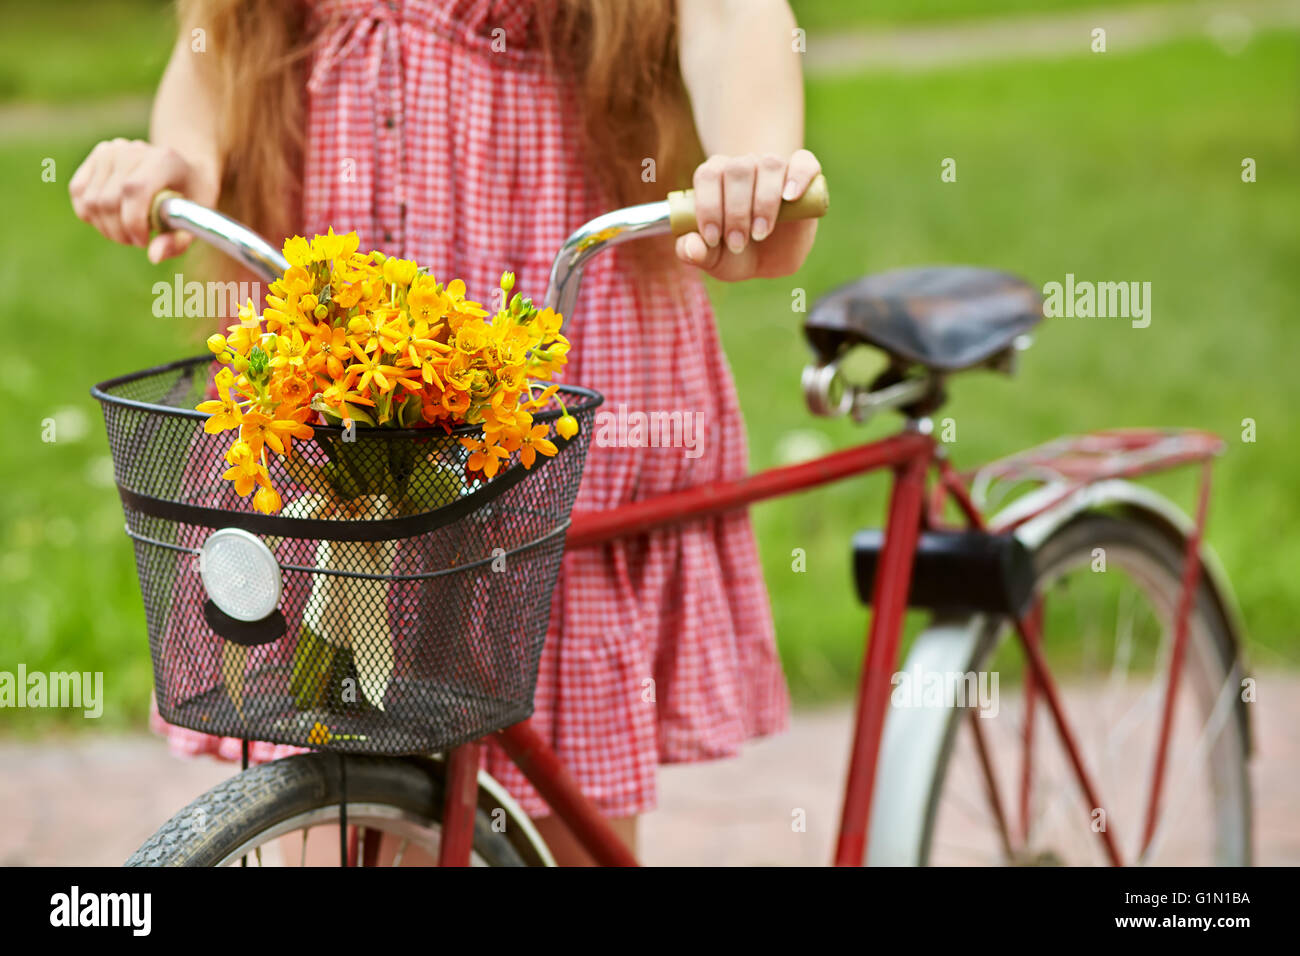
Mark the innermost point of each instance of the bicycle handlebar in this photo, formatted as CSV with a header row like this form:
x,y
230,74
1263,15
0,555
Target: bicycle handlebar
x,y
675,215
170,211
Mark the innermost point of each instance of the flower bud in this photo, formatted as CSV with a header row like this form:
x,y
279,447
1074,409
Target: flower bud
x,y
507,281
216,343
566,426
321,311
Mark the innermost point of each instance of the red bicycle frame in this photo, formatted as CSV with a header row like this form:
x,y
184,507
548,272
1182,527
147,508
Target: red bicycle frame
x,y
911,456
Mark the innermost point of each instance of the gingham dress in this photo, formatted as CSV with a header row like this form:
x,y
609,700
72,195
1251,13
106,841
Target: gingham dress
x,y
437,132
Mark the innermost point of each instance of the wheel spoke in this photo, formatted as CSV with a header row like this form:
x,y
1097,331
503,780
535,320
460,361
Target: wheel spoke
x,y
401,851
1224,701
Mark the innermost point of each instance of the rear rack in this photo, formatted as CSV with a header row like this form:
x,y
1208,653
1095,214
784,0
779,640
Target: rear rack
x,y
1073,462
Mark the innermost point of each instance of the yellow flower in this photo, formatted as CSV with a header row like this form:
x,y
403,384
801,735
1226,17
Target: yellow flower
x,y
267,500
254,431
332,247
297,251
424,301
549,323
400,271
484,457
471,339
246,471
534,441
372,369
288,425
223,413
370,338
290,352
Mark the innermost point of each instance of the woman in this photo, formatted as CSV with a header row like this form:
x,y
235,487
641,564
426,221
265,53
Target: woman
x,y
472,136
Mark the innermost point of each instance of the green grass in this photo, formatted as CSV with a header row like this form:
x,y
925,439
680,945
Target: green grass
x,y
69,50
1113,168
1120,168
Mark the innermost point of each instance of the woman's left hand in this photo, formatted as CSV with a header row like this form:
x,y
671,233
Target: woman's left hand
x,y
736,202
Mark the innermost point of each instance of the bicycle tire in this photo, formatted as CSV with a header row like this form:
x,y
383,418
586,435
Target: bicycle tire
x,y
222,825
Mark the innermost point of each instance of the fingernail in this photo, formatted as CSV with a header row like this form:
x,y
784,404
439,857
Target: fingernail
x,y
759,232
735,240
791,190
710,234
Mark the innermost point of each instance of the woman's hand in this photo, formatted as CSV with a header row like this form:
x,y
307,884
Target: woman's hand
x,y
736,203
113,188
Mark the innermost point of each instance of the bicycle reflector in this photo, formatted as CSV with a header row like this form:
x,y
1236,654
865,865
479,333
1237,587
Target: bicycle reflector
x,y
240,574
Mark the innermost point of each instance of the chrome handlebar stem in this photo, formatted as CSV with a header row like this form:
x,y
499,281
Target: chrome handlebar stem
x,y
594,237
233,238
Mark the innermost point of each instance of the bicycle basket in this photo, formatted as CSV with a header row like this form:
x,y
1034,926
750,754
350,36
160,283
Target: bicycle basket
x,y
393,606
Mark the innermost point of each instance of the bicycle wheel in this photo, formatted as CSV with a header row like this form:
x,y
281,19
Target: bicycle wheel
x,y
287,813
1108,589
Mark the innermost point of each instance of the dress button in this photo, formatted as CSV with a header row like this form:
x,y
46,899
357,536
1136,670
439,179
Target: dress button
x,y
388,237
389,121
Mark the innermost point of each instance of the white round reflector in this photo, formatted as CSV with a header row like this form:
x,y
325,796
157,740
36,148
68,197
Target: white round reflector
x,y
240,574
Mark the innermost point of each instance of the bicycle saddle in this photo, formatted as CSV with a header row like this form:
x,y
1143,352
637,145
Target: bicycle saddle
x,y
946,318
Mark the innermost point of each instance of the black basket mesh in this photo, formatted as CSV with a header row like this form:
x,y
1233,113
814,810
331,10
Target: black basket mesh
x,y
414,602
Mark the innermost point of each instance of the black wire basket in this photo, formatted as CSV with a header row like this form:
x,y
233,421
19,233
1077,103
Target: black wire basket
x,y
396,604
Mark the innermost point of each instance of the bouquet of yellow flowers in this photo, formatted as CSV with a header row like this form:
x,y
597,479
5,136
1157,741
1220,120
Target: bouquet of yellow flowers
x,y
349,337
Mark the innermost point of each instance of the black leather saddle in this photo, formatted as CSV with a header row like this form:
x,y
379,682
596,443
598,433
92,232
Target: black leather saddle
x,y
946,318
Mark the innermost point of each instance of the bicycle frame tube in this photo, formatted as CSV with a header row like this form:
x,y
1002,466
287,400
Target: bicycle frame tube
x,y
888,603
594,528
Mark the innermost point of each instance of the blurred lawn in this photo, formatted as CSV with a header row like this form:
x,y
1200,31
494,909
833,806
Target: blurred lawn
x,y
1113,168
87,48
838,14
120,46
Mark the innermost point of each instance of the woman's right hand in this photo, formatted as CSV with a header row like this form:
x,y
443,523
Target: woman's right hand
x,y
114,187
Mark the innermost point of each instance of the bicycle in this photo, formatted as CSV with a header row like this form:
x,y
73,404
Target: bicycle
x,y
998,584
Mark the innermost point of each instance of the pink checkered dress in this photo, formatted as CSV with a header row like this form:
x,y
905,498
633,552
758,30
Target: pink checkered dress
x,y
437,133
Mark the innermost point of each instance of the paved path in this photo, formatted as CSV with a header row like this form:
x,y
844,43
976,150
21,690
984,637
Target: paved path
x,y
92,800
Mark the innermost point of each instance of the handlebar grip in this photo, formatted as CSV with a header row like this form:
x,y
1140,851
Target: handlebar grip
x,y
155,209
811,205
